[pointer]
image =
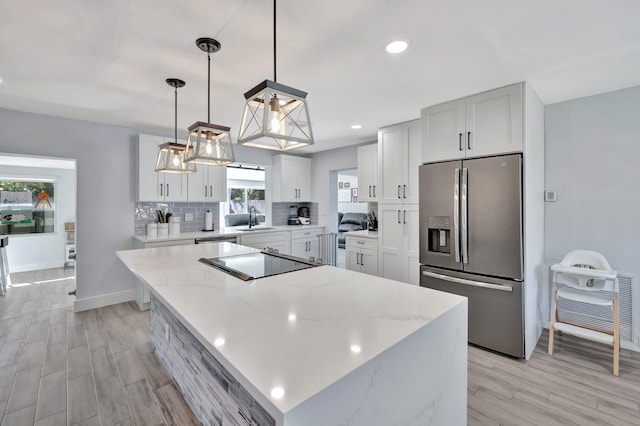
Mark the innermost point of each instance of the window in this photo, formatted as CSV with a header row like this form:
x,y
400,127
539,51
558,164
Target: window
x,y
27,206
241,200
245,189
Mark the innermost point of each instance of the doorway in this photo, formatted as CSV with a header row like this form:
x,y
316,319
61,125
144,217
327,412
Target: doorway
x,y
38,213
344,197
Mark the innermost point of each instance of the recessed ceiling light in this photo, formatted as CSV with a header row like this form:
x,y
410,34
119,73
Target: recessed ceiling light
x,y
277,393
219,342
292,317
356,126
356,349
397,46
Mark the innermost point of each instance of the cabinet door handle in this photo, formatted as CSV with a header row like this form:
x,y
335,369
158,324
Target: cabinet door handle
x,y
360,242
399,191
374,191
210,190
404,191
460,147
167,189
369,191
205,191
357,258
161,194
468,140
404,216
361,259
399,216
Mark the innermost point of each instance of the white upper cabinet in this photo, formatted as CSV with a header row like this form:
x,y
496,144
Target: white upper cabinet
x,y
291,178
152,185
368,172
485,124
207,184
399,155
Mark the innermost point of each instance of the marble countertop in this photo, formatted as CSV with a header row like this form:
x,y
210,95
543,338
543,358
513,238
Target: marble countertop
x,y
222,232
362,234
301,331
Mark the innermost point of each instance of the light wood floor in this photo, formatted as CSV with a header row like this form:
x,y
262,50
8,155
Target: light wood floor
x,y
98,368
90,368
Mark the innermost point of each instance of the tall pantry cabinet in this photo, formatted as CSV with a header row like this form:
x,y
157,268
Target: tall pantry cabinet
x,y
399,155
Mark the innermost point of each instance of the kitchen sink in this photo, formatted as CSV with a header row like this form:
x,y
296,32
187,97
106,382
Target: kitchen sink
x,y
255,228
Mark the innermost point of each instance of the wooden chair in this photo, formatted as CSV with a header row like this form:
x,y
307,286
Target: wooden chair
x,y
585,275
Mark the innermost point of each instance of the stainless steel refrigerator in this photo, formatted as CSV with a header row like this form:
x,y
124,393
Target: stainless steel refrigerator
x,y
471,229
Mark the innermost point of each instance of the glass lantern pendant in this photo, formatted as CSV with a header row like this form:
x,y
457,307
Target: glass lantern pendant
x,y
275,116
171,154
209,143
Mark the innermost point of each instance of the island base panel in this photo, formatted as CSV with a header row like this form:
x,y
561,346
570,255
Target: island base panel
x,y
214,395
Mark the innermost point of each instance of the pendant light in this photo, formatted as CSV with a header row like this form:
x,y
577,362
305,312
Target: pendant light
x,y
275,116
171,154
209,143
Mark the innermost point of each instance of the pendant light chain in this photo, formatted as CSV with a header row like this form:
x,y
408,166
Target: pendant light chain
x,y
208,87
175,118
275,74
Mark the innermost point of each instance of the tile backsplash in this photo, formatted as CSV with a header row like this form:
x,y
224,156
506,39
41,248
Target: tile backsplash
x,y
280,212
146,213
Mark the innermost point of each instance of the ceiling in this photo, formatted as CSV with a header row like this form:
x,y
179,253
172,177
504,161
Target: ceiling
x,y
107,61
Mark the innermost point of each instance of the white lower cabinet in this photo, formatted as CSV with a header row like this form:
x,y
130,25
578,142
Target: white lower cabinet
x,y
398,242
305,243
280,241
361,254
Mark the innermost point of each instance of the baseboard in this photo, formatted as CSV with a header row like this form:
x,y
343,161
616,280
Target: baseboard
x,y
103,300
35,266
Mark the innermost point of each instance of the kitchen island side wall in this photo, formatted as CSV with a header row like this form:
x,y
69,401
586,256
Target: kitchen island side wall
x,y
211,391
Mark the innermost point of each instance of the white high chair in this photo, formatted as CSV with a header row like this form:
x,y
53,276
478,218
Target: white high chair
x,y
586,274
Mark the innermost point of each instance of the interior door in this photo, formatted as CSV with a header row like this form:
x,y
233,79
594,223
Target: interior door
x,y
438,219
494,202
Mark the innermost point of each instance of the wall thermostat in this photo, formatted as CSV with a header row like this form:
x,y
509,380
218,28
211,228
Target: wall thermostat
x,y
550,195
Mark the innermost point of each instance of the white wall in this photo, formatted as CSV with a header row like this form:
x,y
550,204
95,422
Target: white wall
x,y
592,152
30,252
105,200
325,177
105,193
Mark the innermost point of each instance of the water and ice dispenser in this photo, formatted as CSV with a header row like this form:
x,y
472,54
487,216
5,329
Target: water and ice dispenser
x,y
439,229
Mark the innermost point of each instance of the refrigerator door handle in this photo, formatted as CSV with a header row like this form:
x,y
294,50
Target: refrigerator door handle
x,y
468,282
464,216
456,222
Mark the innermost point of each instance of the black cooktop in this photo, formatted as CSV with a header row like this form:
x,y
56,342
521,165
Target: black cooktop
x,y
257,265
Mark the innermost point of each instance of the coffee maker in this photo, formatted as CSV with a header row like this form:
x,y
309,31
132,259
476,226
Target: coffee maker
x,y
293,216
303,216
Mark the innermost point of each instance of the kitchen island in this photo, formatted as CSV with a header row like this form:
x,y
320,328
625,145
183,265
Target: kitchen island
x,y
320,346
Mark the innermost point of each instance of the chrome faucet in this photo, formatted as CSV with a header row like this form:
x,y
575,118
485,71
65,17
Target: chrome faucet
x,y
252,209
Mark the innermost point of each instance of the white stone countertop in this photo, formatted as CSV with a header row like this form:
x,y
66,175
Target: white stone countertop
x,y
237,230
301,331
365,233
